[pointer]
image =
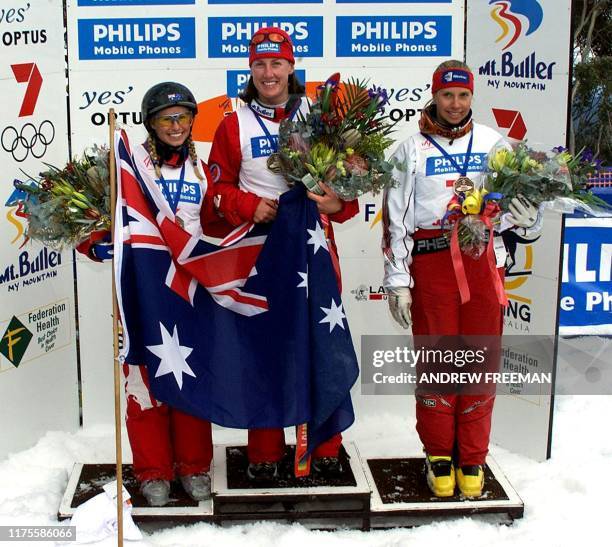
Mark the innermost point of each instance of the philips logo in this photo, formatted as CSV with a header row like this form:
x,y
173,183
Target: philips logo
x,y
112,3
136,38
404,36
263,147
230,37
438,165
267,47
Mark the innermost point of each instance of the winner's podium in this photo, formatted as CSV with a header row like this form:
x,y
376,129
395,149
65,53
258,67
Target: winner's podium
x,y
372,493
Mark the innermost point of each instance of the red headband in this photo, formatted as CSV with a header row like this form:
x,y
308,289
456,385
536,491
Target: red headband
x,y
268,48
452,77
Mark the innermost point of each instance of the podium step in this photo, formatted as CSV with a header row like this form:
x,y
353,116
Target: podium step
x,y
401,497
341,502
86,481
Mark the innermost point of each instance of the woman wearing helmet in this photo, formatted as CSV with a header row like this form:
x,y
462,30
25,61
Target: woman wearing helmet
x,y
163,439
246,190
447,156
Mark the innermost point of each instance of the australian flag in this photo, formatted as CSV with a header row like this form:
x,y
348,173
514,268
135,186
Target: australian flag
x,y
247,334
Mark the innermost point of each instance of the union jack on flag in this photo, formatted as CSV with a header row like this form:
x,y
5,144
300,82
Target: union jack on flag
x,y
248,333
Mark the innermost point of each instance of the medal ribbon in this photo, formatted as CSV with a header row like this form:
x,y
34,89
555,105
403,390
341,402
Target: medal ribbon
x,y
464,168
273,142
490,211
173,198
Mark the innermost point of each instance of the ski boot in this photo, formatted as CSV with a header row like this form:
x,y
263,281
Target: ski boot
x,y
470,479
440,475
262,472
197,487
327,467
156,492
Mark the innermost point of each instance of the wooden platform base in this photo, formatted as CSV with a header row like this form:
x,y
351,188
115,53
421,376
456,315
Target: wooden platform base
x,y
343,502
372,494
401,497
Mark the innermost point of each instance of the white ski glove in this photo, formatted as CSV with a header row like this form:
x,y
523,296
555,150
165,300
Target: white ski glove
x,y
523,213
399,305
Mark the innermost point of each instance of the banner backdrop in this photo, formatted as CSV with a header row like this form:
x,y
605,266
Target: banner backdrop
x,y
38,372
118,49
519,52
586,289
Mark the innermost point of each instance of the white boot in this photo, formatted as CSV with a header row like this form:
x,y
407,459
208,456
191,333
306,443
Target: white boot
x,y
197,487
156,492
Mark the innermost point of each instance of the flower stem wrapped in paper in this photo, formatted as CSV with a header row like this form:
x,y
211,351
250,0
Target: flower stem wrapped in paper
x,y
66,206
557,180
341,141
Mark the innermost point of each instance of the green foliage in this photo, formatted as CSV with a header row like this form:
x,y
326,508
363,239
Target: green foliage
x,y
592,78
64,206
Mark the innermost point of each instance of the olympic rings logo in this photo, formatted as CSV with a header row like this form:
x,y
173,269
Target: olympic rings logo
x,y
29,140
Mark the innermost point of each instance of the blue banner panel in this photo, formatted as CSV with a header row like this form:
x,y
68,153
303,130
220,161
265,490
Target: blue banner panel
x,y
155,38
265,1
237,80
586,289
393,36
111,3
230,36
393,1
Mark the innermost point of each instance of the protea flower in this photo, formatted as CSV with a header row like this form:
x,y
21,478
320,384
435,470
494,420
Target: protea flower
x,y
356,165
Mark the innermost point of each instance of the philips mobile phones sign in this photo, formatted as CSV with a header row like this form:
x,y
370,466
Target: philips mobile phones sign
x,y
160,38
393,36
230,36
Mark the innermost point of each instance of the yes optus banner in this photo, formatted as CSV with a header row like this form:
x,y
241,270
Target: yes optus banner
x,y
38,366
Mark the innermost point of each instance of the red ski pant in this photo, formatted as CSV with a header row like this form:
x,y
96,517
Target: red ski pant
x,y
164,440
268,445
453,422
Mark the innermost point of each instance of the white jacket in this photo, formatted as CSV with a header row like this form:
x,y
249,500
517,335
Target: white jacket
x,y
424,190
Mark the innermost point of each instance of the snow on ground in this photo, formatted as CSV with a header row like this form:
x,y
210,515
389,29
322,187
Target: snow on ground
x,y
566,498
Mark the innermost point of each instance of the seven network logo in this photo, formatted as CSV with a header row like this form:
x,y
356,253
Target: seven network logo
x,y
507,14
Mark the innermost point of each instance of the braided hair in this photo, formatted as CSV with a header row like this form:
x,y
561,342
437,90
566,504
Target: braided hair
x,y
157,162
194,157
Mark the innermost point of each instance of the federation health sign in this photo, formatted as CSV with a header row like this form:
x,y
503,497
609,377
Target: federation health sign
x,y
586,289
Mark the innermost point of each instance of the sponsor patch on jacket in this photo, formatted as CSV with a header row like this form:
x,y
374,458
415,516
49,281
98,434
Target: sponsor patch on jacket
x,y
264,146
439,165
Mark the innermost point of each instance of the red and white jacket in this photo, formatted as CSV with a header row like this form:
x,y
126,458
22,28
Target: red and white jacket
x,y
238,163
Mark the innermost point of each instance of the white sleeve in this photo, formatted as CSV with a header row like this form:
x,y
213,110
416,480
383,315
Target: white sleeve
x,y
398,219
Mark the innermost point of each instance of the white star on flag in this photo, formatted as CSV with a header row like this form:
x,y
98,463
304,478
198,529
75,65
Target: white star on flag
x,y
317,238
172,356
333,315
304,282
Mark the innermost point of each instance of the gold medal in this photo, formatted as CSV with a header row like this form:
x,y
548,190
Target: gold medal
x,y
180,222
275,163
463,185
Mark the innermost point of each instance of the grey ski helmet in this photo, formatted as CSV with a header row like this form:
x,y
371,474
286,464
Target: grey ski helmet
x,y
164,95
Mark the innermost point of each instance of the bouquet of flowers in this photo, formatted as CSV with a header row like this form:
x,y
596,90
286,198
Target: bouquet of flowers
x,y
341,141
557,180
65,206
